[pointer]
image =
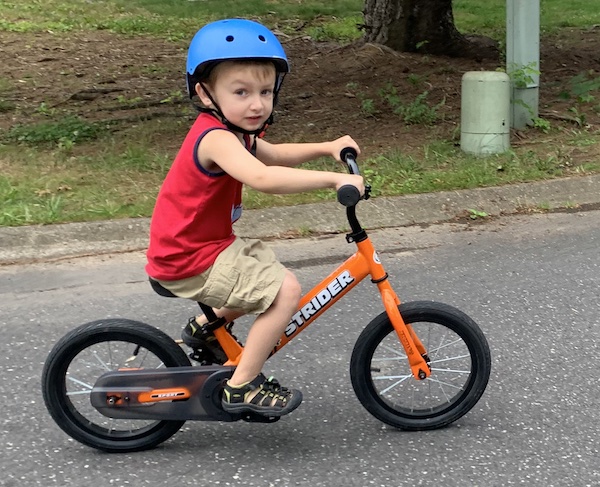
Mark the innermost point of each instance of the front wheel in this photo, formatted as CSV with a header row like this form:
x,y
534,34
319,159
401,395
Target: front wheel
x,y
81,357
459,359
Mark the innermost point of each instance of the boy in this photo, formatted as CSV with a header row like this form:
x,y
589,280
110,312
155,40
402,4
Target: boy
x,y
235,67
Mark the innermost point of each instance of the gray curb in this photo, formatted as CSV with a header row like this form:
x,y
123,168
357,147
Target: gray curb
x,y
41,243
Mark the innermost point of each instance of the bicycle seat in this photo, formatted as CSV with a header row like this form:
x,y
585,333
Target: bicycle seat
x,y
159,289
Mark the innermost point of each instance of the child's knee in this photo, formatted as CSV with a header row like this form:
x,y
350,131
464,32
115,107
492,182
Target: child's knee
x,y
291,287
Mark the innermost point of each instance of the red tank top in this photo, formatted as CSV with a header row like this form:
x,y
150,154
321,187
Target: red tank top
x,y
194,212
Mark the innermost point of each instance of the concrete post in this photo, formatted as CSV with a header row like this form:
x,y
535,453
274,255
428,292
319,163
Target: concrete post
x,y
523,59
485,112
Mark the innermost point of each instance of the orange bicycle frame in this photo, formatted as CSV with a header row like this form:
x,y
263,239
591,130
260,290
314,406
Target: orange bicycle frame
x,y
330,290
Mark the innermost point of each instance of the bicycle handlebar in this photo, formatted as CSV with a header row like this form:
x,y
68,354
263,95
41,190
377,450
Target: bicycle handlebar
x,y
349,195
348,155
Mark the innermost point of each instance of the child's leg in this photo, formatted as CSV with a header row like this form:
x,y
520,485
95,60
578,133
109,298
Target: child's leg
x,y
248,389
195,337
266,331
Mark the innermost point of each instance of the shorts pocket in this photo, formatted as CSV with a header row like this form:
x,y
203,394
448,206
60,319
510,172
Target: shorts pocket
x,y
219,285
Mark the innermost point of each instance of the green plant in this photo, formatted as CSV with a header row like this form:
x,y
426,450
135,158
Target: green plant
x,y
578,117
53,208
414,79
173,96
523,76
544,206
367,105
416,112
475,214
389,95
420,44
67,130
304,231
419,111
541,124
581,88
583,85
337,29
44,109
128,101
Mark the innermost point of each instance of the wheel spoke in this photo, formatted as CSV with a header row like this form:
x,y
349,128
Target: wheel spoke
x,y
81,383
449,358
88,352
443,345
454,371
444,383
457,355
102,363
389,388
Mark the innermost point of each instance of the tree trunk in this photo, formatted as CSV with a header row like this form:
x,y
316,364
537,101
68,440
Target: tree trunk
x,y
425,26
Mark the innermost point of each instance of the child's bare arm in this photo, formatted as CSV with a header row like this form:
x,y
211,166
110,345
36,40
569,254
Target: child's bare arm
x,y
221,150
294,154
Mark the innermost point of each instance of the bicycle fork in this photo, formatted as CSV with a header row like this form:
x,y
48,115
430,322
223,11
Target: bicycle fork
x,y
416,353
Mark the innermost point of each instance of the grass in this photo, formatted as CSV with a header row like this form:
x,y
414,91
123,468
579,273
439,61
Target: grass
x,y
63,168
334,19
176,19
53,184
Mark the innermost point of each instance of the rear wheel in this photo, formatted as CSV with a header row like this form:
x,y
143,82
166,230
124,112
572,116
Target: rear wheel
x,y
459,359
81,357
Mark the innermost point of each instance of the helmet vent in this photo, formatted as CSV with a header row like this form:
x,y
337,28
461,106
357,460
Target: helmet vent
x,y
229,38
262,38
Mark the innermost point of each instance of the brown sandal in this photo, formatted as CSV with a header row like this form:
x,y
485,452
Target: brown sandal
x,y
271,399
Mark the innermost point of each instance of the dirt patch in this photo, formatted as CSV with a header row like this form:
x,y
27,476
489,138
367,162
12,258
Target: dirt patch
x,y
102,76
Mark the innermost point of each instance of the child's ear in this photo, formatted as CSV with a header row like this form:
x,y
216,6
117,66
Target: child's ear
x,y
202,95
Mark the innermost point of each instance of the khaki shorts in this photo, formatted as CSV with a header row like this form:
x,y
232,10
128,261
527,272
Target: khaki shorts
x,y
246,276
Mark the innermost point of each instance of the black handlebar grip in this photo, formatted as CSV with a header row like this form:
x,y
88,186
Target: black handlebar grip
x,y
348,155
348,195
348,151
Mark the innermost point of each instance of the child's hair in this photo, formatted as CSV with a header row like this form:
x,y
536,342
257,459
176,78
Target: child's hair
x,y
262,69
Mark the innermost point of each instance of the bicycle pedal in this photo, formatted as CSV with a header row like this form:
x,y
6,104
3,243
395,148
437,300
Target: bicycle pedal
x,y
258,418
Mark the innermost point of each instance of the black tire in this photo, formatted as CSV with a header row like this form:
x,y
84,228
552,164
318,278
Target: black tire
x,y
460,368
83,355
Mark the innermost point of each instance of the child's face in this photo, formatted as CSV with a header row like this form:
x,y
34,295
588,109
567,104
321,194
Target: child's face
x,y
244,92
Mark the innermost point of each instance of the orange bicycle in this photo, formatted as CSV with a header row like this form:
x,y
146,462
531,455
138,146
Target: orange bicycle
x,y
120,385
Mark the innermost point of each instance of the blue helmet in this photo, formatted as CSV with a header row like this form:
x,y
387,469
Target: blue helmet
x,y
232,39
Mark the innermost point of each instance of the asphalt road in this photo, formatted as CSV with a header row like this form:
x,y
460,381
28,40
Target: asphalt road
x,y
531,282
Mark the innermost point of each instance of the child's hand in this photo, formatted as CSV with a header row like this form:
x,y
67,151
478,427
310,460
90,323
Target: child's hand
x,y
353,180
338,144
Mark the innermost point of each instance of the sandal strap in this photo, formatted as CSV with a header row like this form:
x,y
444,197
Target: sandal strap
x,y
262,396
271,394
238,394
